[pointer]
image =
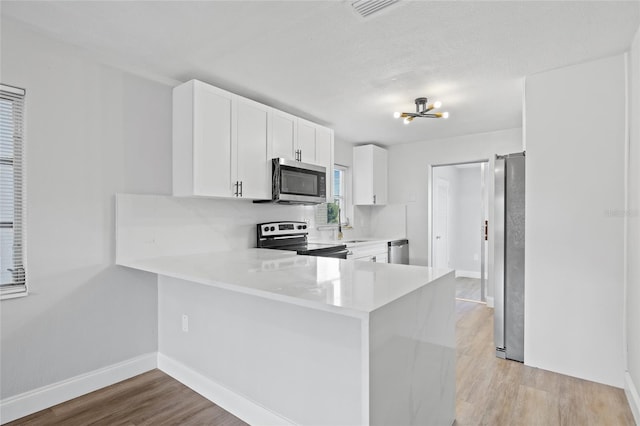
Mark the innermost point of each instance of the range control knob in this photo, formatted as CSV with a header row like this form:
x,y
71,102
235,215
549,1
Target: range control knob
x,y
266,229
299,226
273,228
304,226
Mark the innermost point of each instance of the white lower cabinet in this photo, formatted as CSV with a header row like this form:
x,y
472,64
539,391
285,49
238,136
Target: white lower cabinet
x,y
368,252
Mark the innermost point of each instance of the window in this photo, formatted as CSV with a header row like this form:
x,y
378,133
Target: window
x,y
339,196
12,272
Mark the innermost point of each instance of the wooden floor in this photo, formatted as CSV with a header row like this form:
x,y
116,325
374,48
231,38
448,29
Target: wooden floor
x,y
490,391
493,391
151,398
468,288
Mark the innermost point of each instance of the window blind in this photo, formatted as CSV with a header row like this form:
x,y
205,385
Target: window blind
x,y
12,271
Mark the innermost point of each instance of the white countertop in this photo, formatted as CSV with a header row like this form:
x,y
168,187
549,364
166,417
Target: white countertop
x,y
342,286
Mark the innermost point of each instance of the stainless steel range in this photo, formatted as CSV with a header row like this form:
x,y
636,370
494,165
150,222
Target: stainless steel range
x,y
293,236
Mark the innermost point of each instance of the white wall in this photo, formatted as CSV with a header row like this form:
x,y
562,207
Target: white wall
x,y
91,131
633,231
574,244
409,175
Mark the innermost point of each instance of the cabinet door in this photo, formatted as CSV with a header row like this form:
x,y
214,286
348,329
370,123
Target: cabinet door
x,y
284,135
253,164
362,175
307,141
324,155
380,175
212,139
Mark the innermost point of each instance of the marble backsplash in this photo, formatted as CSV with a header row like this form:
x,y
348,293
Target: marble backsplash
x,y
150,226
160,225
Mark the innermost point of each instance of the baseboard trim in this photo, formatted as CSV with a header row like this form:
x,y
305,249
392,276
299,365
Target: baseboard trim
x,y
236,404
30,402
467,274
490,302
632,396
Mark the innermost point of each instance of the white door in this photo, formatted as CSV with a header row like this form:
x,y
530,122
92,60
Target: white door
x,y
440,234
253,164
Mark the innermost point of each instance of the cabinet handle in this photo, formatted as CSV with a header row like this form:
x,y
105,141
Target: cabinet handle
x,y
374,259
241,188
300,159
235,193
374,199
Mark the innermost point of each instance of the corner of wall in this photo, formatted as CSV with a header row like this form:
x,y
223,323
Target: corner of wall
x,y
631,337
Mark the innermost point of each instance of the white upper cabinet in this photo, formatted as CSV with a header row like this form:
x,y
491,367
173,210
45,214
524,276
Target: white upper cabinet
x,y
284,135
369,175
252,162
300,140
324,148
297,139
202,138
220,144
223,143
307,142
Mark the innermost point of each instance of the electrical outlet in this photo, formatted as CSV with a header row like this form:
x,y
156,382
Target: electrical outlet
x,y
185,323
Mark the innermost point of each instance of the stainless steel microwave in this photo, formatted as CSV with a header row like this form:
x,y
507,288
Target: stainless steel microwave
x,y
298,183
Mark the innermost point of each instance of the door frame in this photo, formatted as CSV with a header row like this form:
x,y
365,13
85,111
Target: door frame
x,y
488,189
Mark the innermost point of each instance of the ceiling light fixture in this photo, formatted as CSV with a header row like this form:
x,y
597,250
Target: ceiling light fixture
x,y
422,110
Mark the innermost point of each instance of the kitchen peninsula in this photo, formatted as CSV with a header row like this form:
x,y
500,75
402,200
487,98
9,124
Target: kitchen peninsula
x,y
278,338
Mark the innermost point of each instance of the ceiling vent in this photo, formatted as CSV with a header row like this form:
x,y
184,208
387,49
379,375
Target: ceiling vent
x,y
366,8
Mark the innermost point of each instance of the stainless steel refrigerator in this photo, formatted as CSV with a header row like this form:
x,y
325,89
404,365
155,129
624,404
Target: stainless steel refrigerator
x,y
509,220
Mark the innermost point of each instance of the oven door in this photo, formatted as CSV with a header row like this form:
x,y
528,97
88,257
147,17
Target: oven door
x,y
298,183
337,252
342,254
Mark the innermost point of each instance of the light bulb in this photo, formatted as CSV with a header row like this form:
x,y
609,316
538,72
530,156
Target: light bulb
x,y
407,120
397,114
437,104
445,115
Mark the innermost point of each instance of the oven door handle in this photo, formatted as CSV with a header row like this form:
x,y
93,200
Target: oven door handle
x,y
342,254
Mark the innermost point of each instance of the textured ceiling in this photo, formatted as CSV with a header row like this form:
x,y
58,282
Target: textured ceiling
x,y
318,59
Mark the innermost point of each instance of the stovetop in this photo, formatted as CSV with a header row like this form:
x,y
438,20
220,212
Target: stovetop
x,y
292,236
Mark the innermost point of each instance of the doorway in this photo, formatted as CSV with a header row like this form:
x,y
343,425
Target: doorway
x,y
459,212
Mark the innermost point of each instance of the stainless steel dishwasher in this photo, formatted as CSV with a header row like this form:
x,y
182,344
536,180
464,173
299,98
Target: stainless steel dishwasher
x,y
399,251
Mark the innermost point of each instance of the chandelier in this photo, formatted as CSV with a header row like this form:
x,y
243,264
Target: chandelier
x,y
423,110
